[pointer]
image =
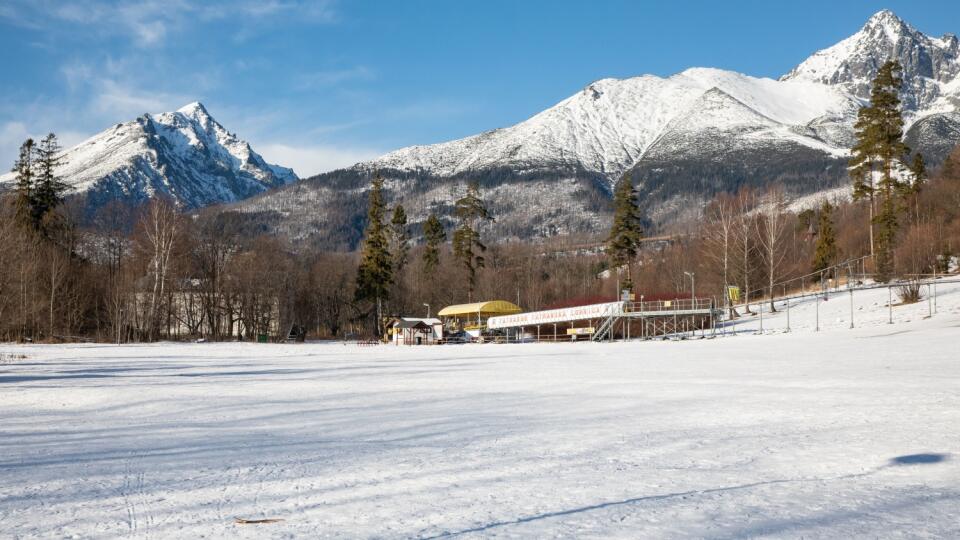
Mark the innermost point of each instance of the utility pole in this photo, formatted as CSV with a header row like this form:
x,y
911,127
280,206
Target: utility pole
x,y
693,296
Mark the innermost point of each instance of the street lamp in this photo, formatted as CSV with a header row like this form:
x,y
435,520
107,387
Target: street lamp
x,y
428,310
693,297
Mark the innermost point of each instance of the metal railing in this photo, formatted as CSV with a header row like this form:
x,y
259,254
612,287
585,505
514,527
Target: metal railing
x,y
669,306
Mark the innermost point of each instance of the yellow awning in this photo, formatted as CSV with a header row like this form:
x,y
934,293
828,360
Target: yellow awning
x,y
484,309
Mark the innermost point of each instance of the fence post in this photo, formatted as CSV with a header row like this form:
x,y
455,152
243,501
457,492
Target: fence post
x,y
929,301
890,303
851,308
788,314
816,305
934,288
760,309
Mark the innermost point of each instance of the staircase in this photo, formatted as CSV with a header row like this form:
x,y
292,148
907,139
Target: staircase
x,y
606,327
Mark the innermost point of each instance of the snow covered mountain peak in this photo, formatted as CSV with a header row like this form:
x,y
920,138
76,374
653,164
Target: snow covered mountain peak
x,y
889,24
198,113
929,64
185,155
194,109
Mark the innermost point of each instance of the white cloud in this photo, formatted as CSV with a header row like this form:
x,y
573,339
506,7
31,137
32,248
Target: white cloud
x,y
12,135
149,22
333,77
126,102
111,95
150,33
307,161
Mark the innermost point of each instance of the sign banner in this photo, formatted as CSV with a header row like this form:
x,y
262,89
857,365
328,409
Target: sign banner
x,y
579,313
733,293
581,331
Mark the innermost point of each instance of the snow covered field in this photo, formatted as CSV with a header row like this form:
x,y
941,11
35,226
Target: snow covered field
x,y
841,433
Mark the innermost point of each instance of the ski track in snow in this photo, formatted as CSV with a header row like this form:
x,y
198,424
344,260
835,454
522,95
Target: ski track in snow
x,y
841,433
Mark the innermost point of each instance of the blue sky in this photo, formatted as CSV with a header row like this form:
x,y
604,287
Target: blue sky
x,y
316,85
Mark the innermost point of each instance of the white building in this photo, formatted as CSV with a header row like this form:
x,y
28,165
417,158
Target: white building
x,y
413,331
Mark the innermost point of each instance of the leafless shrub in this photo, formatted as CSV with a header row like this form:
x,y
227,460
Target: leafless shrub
x,y
909,293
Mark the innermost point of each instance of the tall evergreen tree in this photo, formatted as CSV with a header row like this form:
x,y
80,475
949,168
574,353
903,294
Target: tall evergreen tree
x,y
24,169
49,188
887,225
471,211
375,273
627,230
911,190
877,156
435,236
825,254
401,238
863,162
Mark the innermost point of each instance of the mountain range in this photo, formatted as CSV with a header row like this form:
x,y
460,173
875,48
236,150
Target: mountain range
x,y
681,139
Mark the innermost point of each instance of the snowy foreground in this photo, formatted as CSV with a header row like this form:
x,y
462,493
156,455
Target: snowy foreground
x,y
837,434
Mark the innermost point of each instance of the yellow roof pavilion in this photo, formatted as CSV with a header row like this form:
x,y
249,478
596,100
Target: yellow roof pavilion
x,y
483,309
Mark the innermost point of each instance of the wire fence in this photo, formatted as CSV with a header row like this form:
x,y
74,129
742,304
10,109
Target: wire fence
x,y
929,286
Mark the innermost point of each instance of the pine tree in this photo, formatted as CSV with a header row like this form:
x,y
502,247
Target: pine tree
x,y
627,230
435,236
862,162
24,169
825,254
50,189
375,273
878,151
887,224
401,239
471,211
879,135
911,190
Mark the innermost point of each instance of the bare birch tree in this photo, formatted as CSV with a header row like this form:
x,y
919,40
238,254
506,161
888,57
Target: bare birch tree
x,y
161,226
57,267
743,238
771,225
719,237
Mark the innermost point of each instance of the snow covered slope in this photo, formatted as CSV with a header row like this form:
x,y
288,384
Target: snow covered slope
x,y
682,139
609,125
833,434
185,155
